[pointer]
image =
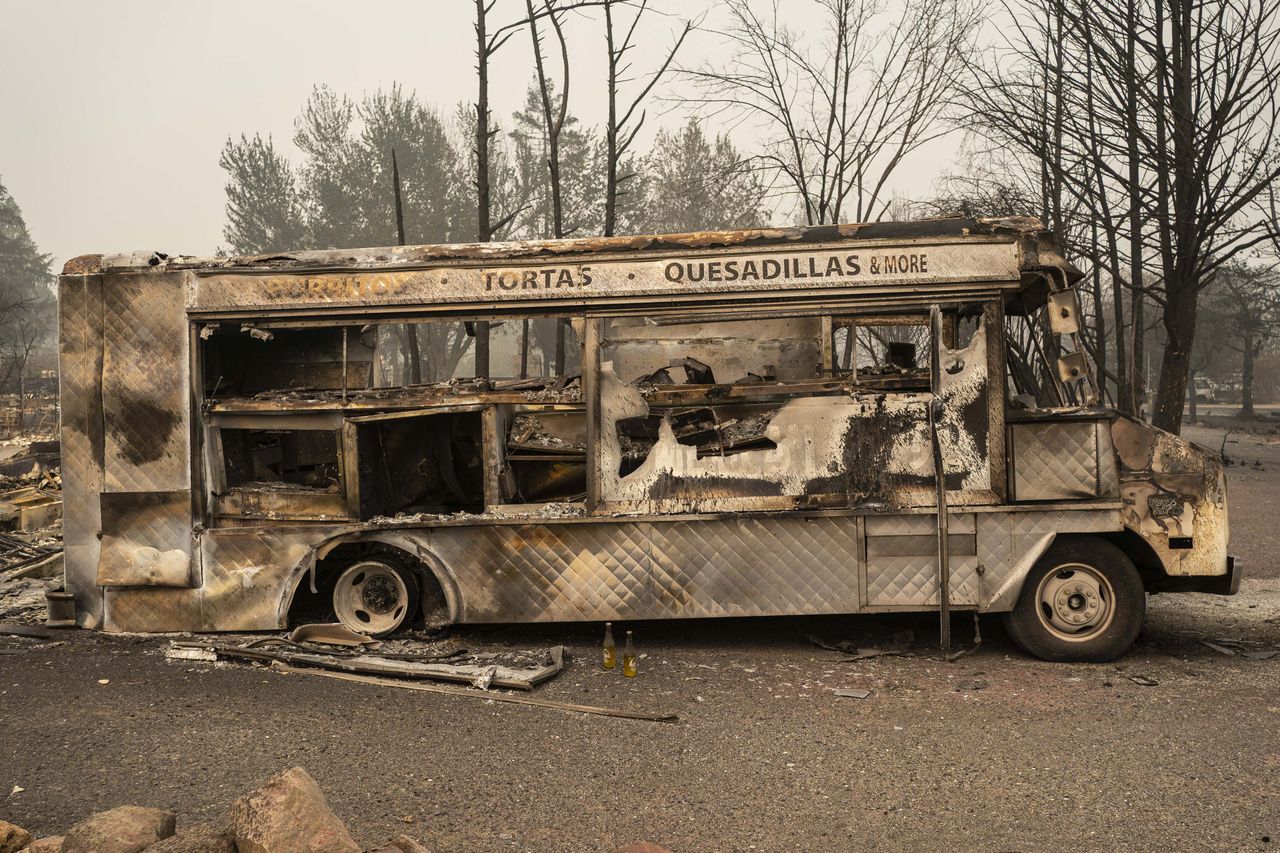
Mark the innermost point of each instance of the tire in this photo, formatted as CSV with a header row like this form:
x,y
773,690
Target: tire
x,y
376,597
1082,601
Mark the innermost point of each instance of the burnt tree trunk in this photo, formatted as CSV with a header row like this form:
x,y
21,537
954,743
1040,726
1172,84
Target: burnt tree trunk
x,y
611,130
1193,405
412,353
1246,375
1175,363
484,227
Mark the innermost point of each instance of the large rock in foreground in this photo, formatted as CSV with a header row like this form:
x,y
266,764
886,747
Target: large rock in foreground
x,y
288,814
197,838
12,837
127,829
49,844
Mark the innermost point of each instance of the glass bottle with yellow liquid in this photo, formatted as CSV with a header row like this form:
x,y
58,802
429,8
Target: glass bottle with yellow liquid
x,y
629,657
609,654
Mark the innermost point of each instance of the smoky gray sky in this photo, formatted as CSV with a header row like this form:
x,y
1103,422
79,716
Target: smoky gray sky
x,y
113,112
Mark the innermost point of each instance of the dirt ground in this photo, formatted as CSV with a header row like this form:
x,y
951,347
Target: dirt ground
x,y
992,752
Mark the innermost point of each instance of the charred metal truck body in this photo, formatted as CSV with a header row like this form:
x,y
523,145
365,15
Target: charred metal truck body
x,y
716,424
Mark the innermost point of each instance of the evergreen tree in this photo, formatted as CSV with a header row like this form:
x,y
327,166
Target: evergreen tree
x,y
27,308
581,173
693,183
264,210
342,195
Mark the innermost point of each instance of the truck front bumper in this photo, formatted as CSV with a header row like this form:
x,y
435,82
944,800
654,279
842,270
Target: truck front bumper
x,y
1228,584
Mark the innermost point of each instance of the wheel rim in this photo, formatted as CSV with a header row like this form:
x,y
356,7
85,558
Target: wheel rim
x,y
371,598
1075,602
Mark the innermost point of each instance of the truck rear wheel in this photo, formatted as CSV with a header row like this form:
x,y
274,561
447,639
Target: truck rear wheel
x,y
375,597
1082,601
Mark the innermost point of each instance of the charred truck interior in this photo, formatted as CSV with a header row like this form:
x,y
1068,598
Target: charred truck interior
x,y
765,422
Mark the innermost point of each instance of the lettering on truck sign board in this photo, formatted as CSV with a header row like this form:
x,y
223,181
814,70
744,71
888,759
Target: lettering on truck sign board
x,y
604,277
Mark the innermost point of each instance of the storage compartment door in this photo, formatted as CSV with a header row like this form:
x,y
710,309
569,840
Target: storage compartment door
x,y
146,401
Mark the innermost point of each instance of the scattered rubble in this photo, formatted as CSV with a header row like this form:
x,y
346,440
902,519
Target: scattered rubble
x,y
1244,648
401,844
30,530
23,599
483,670
898,644
489,697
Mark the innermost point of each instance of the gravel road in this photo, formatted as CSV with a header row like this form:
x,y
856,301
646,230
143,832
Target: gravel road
x,y
992,752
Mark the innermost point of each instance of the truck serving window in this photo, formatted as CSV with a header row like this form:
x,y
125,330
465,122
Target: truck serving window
x,y
264,357
887,353
304,459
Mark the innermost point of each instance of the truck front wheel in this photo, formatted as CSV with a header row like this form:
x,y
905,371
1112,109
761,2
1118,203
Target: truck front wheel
x,y
1082,601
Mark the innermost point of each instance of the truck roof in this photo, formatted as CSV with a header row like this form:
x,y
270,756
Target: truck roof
x,y
951,259
1037,243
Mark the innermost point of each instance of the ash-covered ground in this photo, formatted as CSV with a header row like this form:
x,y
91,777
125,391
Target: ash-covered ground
x,y
1175,746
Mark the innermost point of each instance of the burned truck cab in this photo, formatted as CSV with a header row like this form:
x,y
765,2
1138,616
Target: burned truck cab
x,y
846,419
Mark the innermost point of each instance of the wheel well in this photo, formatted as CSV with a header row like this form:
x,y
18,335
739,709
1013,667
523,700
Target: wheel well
x,y
308,606
1143,556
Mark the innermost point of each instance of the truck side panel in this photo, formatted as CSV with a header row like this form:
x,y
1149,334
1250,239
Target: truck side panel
x,y
80,387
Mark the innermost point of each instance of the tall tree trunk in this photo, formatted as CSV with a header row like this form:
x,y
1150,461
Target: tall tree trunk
x,y
1099,316
484,227
1059,228
1181,281
412,353
1193,405
611,128
552,125
1175,363
1246,375
1130,367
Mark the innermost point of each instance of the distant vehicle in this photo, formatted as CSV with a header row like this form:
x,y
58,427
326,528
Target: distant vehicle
x,y
1203,390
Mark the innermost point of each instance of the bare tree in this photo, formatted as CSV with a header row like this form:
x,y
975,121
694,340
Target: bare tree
x,y
622,126
555,105
839,117
1169,114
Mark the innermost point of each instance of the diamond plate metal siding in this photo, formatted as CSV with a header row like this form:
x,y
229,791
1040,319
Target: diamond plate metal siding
x,y
248,576
616,569
1108,470
757,566
653,569
155,609
145,388
1009,543
80,393
133,522
1054,461
912,579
